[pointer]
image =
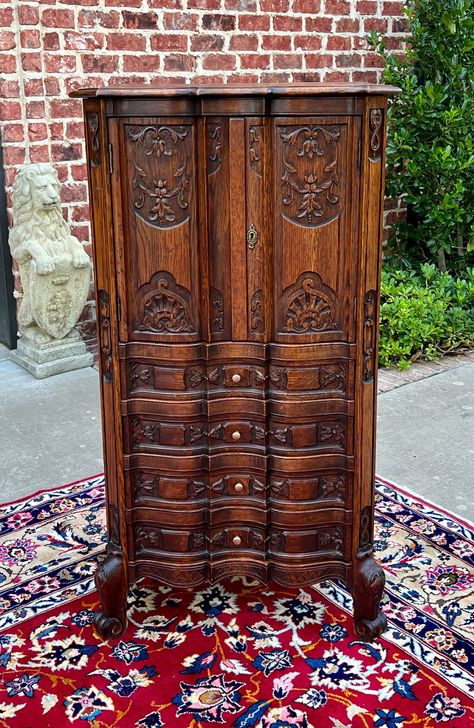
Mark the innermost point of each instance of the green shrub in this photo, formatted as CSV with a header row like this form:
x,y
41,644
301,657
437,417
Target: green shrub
x,y
423,314
430,153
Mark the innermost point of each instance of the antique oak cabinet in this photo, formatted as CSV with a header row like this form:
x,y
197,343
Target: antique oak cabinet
x,y
237,237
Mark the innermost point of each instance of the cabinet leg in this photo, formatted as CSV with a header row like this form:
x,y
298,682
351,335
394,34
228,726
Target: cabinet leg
x,y
367,589
111,584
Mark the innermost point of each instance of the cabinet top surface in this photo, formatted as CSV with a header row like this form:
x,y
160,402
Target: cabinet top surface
x,y
277,89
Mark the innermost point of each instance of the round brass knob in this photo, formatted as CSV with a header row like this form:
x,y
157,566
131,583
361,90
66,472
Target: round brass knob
x,y
236,378
236,435
236,540
239,487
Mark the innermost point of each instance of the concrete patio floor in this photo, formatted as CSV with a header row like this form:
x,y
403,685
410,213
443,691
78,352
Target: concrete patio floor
x,y
50,433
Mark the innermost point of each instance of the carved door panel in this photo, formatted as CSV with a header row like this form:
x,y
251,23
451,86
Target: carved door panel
x,y
156,229
315,199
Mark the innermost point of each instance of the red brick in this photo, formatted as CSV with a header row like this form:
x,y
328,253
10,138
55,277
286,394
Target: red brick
x,y
81,232
13,133
78,2
318,60
287,60
372,60
274,6
273,77
364,77
169,42
31,62
400,25
79,171
308,42
9,89
9,63
393,43
83,41
378,24
51,86
6,17
347,25
80,213
306,77
219,62
366,7
173,4
390,8
65,152
30,39
338,43
34,87
319,25
336,77
126,42
69,108
13,154
348,60
337,7
180,21
218,22
37,132
7,40
130,3
254,22
312,7
242,78
207,43
73,192
276,42
179,62
139,20
255,60
28,14
204,4
59,63
95,18
53,18
146,63
250,6
51,41
35,110
359,43
99,63
75,130
56,130
287,22
239,42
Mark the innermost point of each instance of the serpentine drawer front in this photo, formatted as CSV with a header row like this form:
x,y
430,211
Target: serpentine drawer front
x,y
237,237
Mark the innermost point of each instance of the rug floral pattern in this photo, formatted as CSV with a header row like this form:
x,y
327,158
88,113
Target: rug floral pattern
x,y
234,654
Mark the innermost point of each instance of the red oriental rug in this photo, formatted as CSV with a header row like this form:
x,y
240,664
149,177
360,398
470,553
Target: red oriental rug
x,y
236,653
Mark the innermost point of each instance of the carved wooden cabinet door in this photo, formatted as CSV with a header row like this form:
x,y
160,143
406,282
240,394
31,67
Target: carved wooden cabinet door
x,y
237,250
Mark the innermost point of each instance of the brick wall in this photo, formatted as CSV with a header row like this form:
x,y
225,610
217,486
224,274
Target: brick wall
x,y
48,48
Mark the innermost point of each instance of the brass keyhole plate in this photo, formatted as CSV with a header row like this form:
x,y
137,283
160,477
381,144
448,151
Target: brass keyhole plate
x,y
252,237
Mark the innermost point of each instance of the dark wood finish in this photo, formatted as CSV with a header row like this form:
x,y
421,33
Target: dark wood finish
x,y
237,250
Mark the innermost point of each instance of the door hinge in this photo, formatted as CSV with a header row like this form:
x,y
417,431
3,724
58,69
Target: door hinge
x,y
119,310
111,159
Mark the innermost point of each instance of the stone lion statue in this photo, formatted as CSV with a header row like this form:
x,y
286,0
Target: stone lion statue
x,y
54,267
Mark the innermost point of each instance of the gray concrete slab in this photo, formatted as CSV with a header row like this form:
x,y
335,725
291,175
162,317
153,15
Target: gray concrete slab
x,y
50,432
425,438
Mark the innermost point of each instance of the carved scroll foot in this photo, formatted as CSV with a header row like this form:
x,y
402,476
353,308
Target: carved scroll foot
x,y
367,590
111,620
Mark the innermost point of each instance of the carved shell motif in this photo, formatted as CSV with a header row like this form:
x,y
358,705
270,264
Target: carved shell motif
x,y
166,306
309,306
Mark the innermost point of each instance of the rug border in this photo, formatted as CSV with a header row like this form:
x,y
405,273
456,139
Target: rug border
x,y
427,501
49,490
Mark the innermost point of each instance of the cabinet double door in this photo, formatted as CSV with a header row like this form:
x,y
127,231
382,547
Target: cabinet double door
x,y
236,259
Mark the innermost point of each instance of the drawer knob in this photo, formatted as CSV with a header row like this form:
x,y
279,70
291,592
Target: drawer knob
x,y
236,540
236,435
239,487
236,378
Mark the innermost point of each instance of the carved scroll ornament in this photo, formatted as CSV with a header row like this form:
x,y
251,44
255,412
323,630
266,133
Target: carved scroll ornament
x,y
309,306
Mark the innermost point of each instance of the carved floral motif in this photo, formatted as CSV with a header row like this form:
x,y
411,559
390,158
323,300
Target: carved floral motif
x,y
255,153
256,312
105,336
307,183
368,361
161,187
217,311
94,139
215,147
375,124
309,306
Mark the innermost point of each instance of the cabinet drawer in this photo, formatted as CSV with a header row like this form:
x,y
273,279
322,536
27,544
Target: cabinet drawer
x,y
170,514
148,487
329,434
150,539
325,541
238,486
237,539
236,433
241,513
328,379
325,488
233,377
147,434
